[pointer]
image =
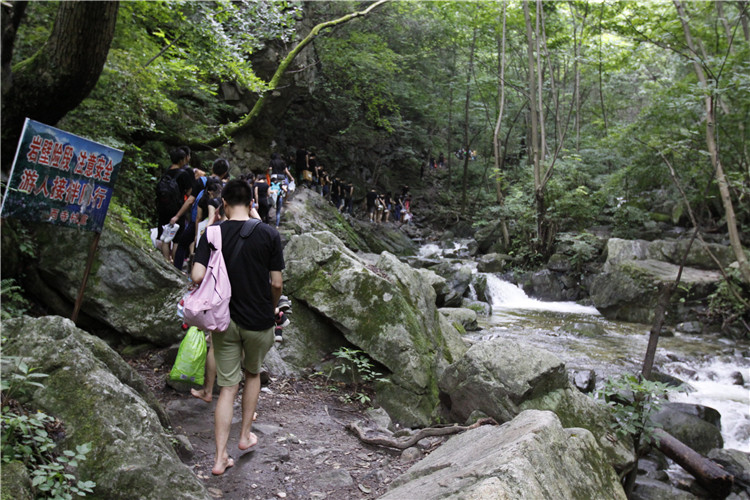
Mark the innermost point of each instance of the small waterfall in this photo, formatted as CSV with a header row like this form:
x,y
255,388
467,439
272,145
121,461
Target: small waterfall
x,y
509,296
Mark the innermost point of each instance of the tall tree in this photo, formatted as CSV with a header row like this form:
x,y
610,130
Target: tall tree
x,y
47,85
710,102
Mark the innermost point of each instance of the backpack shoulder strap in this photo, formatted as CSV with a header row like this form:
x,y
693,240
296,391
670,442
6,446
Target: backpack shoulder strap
x,y
247,229
213,235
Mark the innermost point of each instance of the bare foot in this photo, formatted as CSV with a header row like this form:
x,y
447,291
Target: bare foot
x,y
247,442
222,465
202,395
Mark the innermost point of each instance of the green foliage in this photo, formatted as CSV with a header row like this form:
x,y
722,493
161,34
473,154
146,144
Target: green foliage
x,y
633,402
13,302
18,379
26,438
724,304
581,248
360,368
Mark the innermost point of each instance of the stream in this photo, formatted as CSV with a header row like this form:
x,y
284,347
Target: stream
x,y
585,340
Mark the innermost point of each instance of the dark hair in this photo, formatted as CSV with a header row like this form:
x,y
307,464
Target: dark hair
x,y
213,184
186,149
177,155
274,156
220,167
236,192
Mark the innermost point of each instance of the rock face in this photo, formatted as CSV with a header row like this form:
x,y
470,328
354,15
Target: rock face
x,y
683,422
619,250
629,291
466,318
131,288
386,309
100,399
531,457
501,379
496,376
308,211
458,278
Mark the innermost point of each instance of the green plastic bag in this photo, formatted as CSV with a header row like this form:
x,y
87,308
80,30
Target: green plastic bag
x,y
191,358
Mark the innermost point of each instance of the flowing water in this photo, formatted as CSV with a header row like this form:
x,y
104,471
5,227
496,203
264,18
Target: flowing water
x,y
585,340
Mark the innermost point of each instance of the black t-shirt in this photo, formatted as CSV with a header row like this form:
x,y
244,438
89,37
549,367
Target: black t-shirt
x,y
250,306
203,204
371,198
278,167
262,190
185,183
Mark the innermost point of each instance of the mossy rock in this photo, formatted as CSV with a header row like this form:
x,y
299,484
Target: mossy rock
x,y
131,289
16,483
101,400
385,309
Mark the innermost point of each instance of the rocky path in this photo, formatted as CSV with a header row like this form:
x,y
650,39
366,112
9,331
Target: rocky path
x,y
303,452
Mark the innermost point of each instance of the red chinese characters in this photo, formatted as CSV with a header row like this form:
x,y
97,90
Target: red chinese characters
x,y
36,144
28,180
45,153
100,194
59,186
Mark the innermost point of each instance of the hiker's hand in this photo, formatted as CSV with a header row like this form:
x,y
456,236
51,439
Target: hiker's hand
x,y
173,221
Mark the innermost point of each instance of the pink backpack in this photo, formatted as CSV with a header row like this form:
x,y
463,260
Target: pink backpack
x,y
208,306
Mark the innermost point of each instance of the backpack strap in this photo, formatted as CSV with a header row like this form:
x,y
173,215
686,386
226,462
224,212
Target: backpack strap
x,y
245,231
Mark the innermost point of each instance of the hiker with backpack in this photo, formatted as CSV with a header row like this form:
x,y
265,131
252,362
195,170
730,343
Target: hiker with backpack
x,y
171,205
253,259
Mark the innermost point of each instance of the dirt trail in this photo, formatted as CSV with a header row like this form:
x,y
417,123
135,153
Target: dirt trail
x,y
303,451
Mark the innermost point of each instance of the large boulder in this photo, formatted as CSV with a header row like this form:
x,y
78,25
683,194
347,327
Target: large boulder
x,y
630,290
488,236
131,289
686,424
496,376
100,399
492,263
458,278
501,379
460,316
386,309
533,456
308,211
673,251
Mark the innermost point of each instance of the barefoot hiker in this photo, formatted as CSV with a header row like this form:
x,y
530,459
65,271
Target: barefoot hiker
x,y
255,275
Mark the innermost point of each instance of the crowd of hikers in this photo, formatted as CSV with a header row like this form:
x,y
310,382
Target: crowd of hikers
x,y
203,216
188,199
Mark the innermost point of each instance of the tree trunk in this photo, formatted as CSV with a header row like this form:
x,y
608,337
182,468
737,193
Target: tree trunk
x,y
46,86
601,86
709,475
726,196
465,183
499,151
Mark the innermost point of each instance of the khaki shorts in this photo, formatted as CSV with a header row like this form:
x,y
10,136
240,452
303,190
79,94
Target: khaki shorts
x,y
229,346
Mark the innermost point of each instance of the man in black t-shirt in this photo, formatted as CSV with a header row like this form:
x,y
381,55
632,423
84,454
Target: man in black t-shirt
x,y
255,276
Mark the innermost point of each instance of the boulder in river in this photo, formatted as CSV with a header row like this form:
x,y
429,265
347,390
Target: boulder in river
x,y
459,316
686,423
132,289
385,309
531,457
501,379
100,399
629,291
458,279
492,263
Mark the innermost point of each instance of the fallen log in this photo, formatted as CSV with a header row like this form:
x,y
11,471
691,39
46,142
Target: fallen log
x,y
402,444
708,474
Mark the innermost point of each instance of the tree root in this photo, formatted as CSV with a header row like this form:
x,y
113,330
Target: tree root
x,y
402,444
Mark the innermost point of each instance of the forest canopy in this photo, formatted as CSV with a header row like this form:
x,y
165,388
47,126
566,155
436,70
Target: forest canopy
x,y
629,114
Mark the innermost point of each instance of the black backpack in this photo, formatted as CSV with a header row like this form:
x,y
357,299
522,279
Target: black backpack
x,y
168,193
